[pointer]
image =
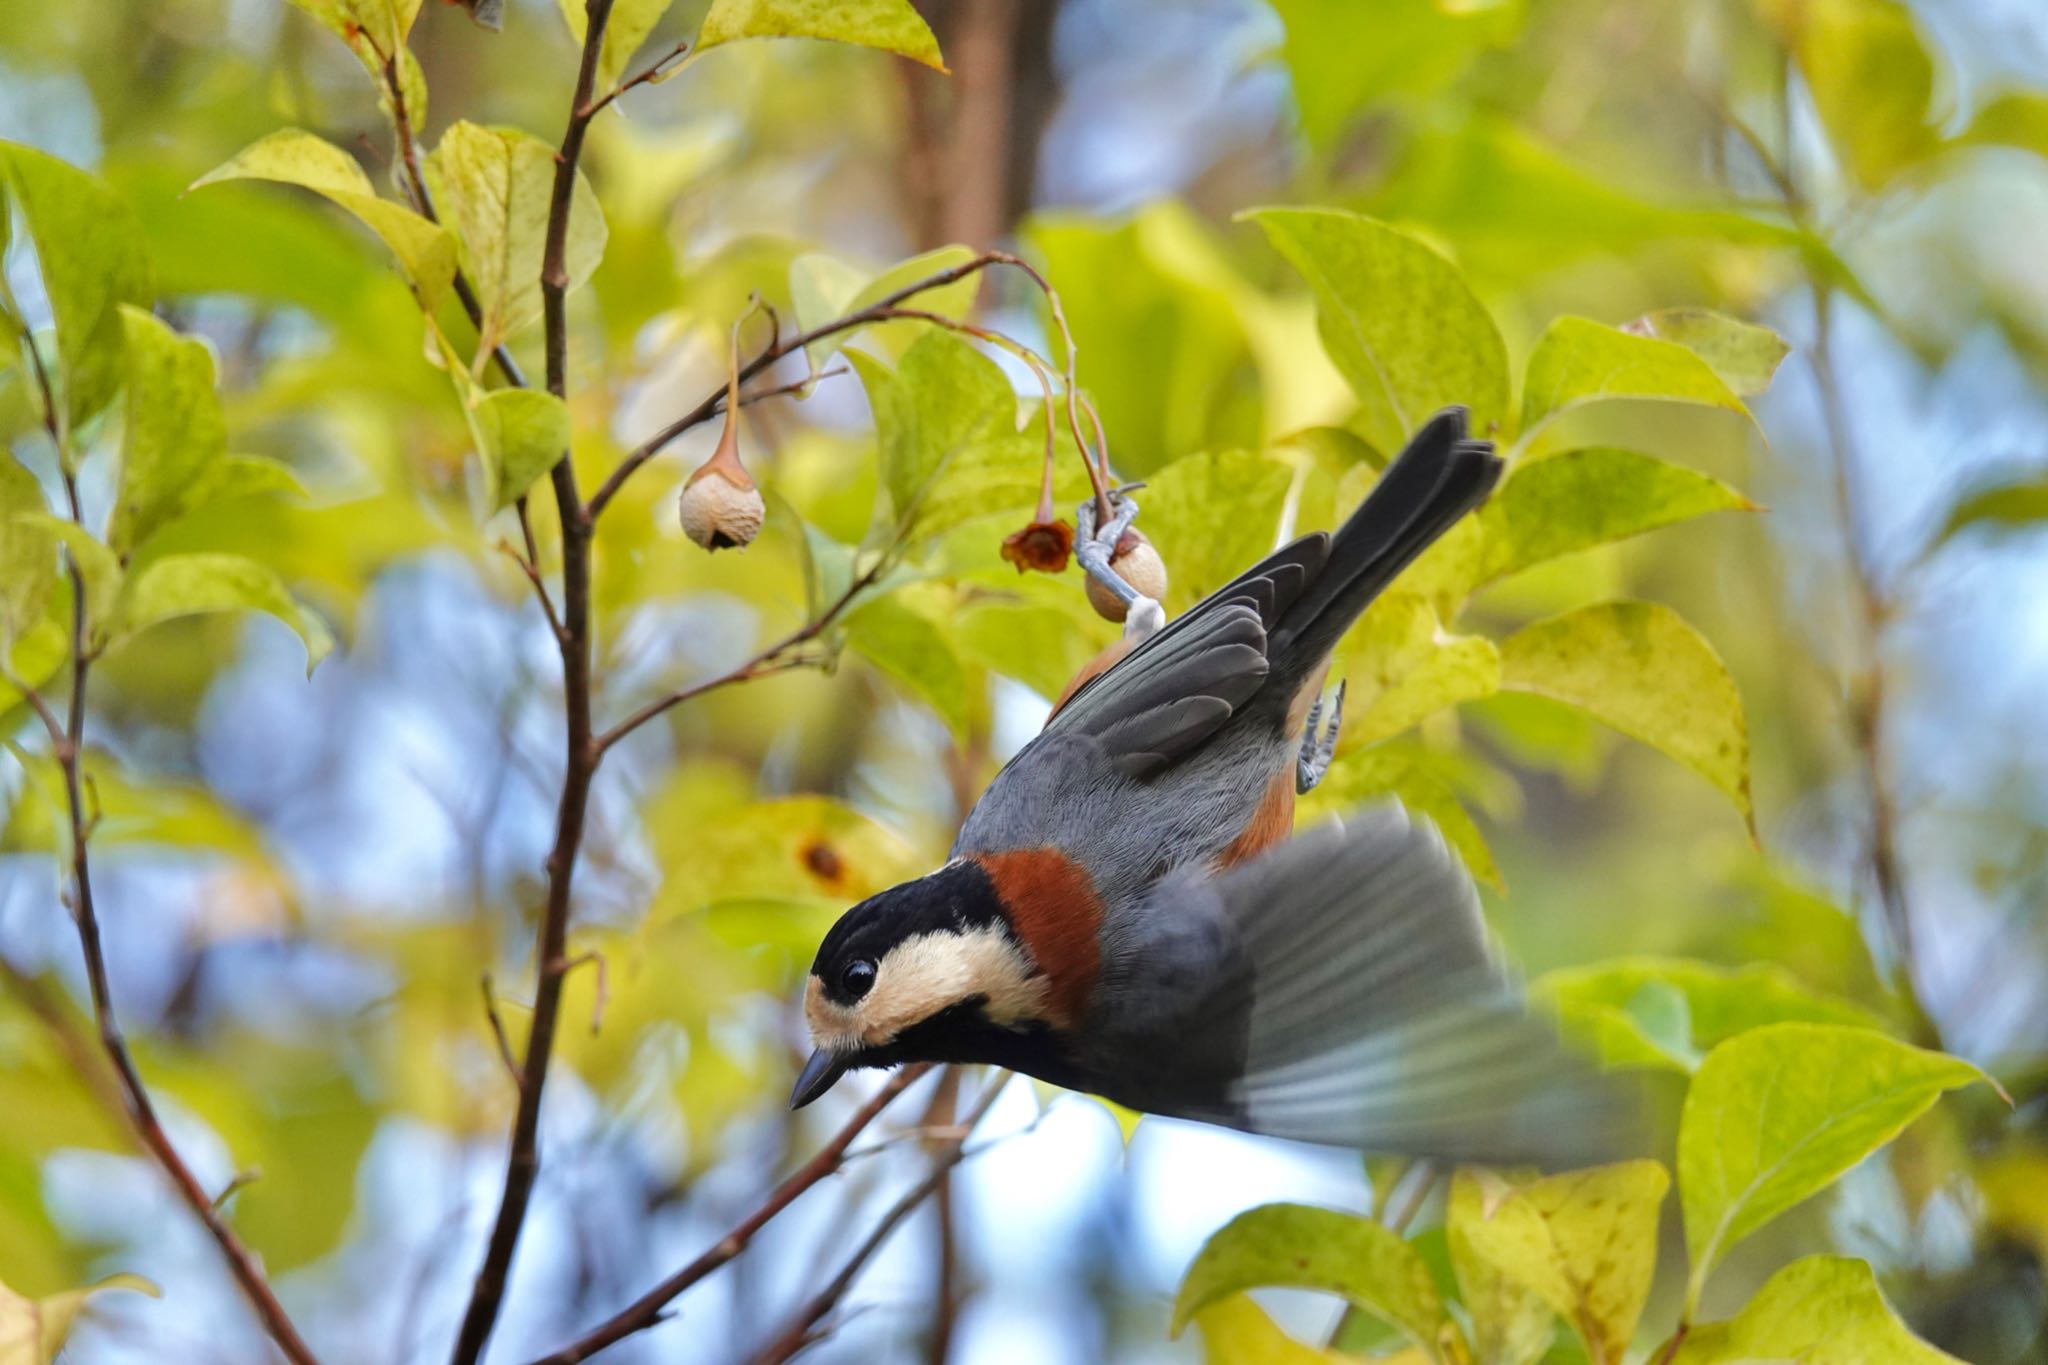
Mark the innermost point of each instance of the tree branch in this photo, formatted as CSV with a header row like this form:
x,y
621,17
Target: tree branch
x,y
798,1333
522,1164
776,658
67,744
879,310
649,1309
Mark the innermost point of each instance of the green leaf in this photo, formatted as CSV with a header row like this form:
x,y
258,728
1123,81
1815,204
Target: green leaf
x,y
1400,667
1823,1310
1157,337
521,434
1204,545
495,186
424,250
1236,1331
248,476
630,23
174,436
913,651
2013,502
1419,47
1580,361
1627,1007
132,812
96,563
1299,1247
1511,1323
1398,320
1870,76
955,300
379,25
188,584
93,259
1561,505
2016,119
33,1331
1744,355
1386,770
892,25
1641,669
1040,644
713,845
1776,1114
28,554
1585,1242
946,424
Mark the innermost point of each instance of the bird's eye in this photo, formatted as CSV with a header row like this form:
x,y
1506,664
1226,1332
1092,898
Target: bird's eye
x,y
856,977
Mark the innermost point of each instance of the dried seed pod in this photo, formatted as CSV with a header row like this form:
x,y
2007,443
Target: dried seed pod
x,y
1043,545
721,509
1137,564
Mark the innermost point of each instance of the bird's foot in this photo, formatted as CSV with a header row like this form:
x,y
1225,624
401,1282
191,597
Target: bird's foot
x,y
1318,744
1096,546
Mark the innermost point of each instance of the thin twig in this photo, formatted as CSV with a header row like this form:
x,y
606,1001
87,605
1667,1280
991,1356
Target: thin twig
x,y
946,1155
504,1040
540,589
650,1308
654,72
522,1165
713,403
779,657
68,746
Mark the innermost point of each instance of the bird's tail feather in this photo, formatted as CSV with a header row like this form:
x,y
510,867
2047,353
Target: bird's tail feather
x,y
1438,478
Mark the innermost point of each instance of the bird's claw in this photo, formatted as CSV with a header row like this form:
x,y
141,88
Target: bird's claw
x,y
1318,744
1096,547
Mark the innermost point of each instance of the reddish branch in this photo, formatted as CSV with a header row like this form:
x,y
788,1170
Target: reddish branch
x,y
522,1164
650,1308
802,1328
67,744
878,311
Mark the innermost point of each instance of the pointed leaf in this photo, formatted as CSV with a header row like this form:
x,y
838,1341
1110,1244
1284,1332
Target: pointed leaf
x,y
1511,1323
1183,514
96,565
892,25
1624,1007
28,553
1300,1247
1400,666
1777,1114
33,1331
1585,1242
521,434
1640,668
1870,76
93,259
186,585
1824,1310
1745,355
1580,361
912,650
495,186
2007,503
425,251
1236,1331
2016,119
383,24
1397,319
174,437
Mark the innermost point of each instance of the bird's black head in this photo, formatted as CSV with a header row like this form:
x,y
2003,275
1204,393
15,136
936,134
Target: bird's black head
x,y
926,971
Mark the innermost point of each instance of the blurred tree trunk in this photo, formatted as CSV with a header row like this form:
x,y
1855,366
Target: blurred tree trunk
x,y
970,156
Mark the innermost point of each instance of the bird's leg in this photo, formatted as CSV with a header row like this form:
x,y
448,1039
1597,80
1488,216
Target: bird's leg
x,y
1317,749
1095,548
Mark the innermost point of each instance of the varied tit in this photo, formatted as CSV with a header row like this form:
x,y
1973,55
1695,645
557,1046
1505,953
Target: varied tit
x,y
1124,913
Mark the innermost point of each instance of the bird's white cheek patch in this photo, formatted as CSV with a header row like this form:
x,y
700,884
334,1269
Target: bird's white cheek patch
x,y
924,975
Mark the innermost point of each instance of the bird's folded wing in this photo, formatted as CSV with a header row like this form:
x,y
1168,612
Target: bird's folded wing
x,y
1174,690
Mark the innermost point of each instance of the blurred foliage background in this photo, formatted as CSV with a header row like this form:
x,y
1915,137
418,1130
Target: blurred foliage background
x,y
303,879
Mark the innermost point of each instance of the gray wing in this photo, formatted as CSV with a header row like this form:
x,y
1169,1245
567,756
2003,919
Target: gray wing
x,y
1174,690
1339,989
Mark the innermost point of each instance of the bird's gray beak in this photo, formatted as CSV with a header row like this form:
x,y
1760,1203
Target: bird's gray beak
x,y
819,1075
